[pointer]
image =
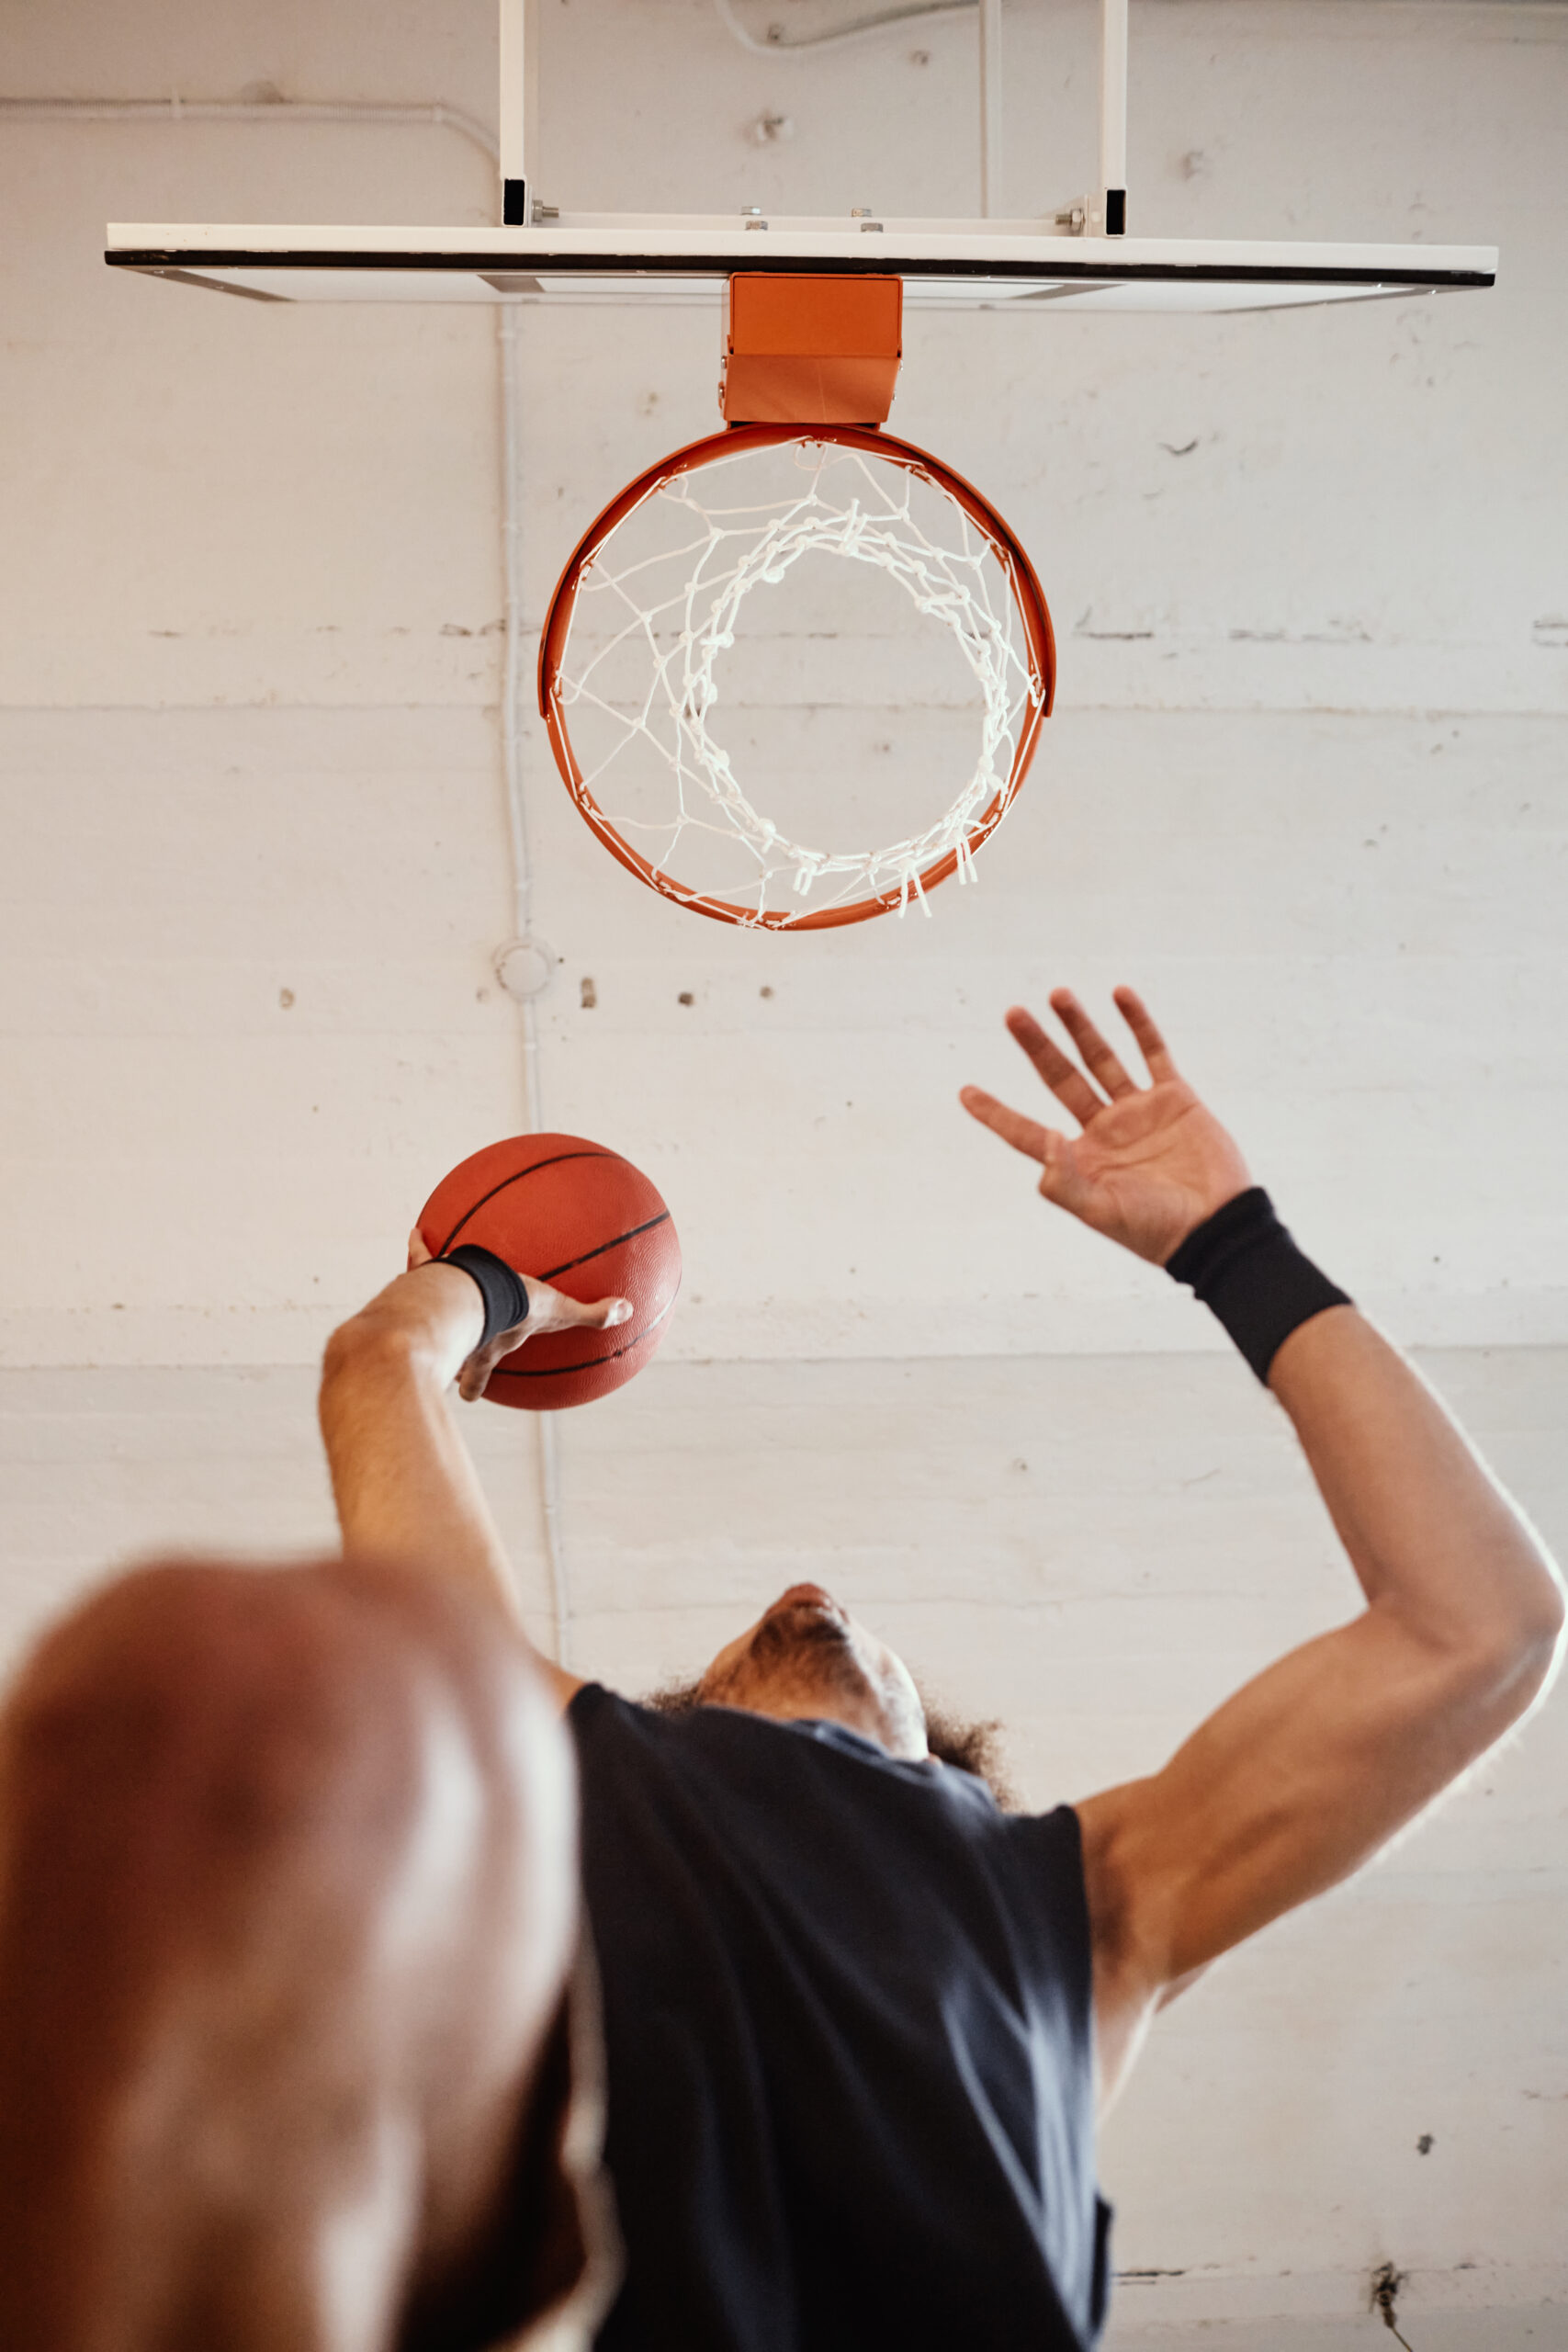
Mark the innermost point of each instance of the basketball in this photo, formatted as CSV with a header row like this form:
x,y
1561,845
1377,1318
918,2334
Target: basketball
x,y
575,1214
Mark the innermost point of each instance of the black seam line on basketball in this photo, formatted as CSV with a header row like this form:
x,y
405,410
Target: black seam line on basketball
x,y
515,1178
598,1250
559,1370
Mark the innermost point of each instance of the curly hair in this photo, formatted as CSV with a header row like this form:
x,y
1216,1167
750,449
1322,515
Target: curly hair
x,y
972,1746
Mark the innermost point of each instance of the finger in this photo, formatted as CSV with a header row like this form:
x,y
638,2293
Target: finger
x,y
605,1313
1036,1142
1064,1077
1151,1044
418,1254
1097,1054
474,1378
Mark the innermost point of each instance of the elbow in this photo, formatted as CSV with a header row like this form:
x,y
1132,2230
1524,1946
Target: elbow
x,y
1554,1609
1544,1637
1519,1659
1543,1615
1493,1660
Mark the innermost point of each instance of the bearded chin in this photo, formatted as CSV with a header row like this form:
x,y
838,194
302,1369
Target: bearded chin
x,y
803,1634
804,1653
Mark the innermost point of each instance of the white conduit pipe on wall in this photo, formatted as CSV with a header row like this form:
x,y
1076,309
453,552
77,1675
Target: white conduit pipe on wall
x,y
278,109
511,690
437,116
514,674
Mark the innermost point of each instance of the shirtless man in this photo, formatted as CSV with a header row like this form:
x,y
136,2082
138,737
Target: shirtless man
x,y
288,1898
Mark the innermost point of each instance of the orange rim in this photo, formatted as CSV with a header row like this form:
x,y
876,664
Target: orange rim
x,y
1026,595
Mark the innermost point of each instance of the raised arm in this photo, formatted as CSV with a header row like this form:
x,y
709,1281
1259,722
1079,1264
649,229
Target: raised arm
x,y
1315,1763
404,1485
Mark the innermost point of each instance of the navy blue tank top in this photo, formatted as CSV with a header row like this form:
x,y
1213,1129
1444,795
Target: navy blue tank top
x,y
848,2022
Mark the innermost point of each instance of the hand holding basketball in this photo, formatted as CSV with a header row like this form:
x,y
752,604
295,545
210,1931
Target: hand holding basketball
x,y
548,1310
593,1224
1151,1161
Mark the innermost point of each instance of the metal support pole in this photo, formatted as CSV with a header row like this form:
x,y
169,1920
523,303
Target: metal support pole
x,y
990,108
514,113
1113,115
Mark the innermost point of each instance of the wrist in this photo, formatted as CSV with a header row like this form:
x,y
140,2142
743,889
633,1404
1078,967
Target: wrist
x,y
502,1292
423,1326
443,1320
1245,1266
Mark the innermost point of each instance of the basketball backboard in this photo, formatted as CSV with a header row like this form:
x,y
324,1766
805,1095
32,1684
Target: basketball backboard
x,y
619,257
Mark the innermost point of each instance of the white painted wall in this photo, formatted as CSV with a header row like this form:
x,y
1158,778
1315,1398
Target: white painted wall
x,y
1305,784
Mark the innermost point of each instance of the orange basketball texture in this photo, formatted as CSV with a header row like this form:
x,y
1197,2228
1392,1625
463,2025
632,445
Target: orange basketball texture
x,y
580,1216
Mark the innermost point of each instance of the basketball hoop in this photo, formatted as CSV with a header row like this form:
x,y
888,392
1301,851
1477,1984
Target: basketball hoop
x,y
649,601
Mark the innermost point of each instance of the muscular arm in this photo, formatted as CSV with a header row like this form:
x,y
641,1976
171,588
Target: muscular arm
x,y
404,1485
1313,1765
1310,1768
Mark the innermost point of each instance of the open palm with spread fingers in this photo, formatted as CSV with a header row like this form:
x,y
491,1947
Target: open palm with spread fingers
x,y
1151,1162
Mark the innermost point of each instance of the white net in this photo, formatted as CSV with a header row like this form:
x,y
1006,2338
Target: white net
x,y
682,760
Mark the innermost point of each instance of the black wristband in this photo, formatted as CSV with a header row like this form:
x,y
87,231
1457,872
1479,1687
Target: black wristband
x,y
504,1294
1247,1271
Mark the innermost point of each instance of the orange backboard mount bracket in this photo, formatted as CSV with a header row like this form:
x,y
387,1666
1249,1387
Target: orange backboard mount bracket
x,y
810,350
